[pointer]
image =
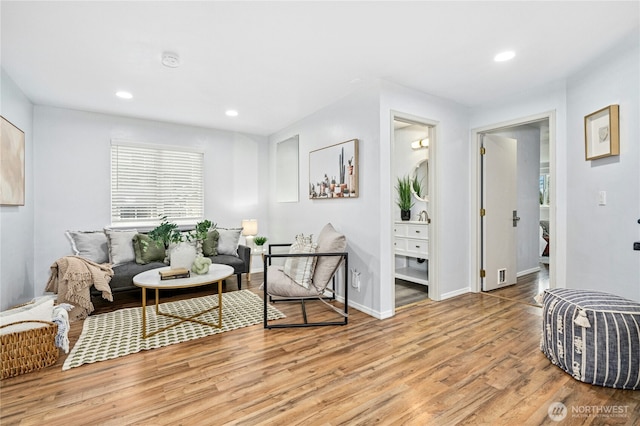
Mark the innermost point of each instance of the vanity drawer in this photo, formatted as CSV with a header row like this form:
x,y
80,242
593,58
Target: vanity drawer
x,y
419,248
417,231
411,247
400,230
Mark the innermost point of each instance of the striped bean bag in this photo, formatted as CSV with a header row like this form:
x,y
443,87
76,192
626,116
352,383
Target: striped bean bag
x,y
593,336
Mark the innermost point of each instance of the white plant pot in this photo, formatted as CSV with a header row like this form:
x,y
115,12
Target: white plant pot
x,y
182,255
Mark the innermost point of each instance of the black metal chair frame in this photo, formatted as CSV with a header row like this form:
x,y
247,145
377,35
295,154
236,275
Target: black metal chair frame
x,y
267,262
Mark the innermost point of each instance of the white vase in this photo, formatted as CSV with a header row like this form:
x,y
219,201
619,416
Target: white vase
x,y
183,255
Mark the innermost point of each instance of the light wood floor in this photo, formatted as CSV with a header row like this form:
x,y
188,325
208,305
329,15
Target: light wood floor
x,y
473,359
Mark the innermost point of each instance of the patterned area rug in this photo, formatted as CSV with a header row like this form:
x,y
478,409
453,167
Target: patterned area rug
x,y
119,333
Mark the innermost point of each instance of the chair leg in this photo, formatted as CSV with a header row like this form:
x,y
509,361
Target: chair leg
x,y
239,281
304,312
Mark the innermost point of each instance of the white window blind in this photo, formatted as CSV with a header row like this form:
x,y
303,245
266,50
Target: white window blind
x,y
148,182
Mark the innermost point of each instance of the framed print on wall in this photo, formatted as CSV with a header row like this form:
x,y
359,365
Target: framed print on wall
x,y
333,171
11,164
602,133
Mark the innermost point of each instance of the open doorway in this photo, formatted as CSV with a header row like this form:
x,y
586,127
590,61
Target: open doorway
x,y
412,144
529,220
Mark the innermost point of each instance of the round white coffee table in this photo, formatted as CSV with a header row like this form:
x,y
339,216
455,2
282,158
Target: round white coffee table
x,y
151,280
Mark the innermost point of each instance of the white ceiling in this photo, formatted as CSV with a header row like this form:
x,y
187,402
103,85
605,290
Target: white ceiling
x,y
276,62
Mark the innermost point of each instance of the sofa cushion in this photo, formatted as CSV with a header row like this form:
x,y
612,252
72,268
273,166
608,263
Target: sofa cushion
x,y
120,246
228,240
91,245
210,244
300,269
123,274
147,250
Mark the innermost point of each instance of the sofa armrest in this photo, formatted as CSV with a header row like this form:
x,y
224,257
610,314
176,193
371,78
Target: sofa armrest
x,y
244,253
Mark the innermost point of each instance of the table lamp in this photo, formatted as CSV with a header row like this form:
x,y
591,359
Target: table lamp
x,y
249,230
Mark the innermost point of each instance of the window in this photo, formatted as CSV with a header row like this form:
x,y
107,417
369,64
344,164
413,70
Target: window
x,y
148,182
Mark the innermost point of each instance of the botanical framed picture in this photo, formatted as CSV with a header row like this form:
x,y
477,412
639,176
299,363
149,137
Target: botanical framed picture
x,y
11,164
333,171
602,133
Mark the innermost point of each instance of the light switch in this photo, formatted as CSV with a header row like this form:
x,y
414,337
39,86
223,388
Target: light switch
x,y
602,198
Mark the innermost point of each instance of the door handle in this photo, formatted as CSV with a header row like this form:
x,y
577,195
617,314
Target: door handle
x,y
515,218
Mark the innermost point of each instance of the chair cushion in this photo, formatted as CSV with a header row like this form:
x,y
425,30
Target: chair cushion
x,y
300,269
329,241
282,285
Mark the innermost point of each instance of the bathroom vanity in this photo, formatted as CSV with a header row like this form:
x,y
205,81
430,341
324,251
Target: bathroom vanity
x,y
411,245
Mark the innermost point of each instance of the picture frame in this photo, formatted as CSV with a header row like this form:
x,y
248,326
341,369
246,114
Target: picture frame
x,y
602,133
333,171
11,164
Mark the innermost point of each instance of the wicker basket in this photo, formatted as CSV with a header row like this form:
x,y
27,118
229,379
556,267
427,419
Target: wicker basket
x,y
28,350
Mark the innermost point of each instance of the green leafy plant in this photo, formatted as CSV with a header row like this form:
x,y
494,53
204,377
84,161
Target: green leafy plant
x,y
404,200
165,233
259,241
417,186
202,227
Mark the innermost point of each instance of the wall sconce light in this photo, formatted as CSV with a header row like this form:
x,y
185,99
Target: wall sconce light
x,y
422,143
249,230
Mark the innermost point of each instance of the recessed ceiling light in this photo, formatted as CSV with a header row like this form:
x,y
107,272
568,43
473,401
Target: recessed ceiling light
x,y
504,56
232,113
124,95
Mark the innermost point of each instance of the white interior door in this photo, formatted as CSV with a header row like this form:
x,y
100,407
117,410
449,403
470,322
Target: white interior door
x,y
500,204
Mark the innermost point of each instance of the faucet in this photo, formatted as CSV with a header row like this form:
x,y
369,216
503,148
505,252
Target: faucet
x,y
424,217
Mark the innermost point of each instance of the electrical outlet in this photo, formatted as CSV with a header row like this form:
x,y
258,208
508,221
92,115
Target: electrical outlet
x,y
355,279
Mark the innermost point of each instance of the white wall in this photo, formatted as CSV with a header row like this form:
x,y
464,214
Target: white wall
x,y
600,238
16,222
352,117
72,174
528,164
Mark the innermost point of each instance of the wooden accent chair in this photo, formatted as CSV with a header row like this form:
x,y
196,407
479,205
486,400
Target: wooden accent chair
x,y
308,270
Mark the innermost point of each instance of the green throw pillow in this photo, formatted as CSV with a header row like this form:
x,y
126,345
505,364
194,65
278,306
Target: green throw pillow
x,y
210,244
147,250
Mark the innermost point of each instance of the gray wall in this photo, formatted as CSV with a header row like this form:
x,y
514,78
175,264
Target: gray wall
x,y
17,222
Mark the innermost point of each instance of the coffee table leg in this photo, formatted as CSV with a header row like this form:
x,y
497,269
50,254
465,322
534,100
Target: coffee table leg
x,y
144,313
220,304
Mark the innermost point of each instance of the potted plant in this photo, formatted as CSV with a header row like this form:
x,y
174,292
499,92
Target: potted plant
x,y
165,233
259,241
404,200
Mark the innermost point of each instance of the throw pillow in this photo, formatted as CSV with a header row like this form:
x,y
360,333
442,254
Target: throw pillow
x,y
147,250
300,269
91,245
329,241
120,246
228,241
210,244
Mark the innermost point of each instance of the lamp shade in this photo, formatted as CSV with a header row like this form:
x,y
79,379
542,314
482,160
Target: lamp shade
x,y
249,227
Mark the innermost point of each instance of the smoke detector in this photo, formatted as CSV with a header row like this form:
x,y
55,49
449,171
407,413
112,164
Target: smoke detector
x,y
170,59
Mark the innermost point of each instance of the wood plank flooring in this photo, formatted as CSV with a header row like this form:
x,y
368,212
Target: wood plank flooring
x,y
473,359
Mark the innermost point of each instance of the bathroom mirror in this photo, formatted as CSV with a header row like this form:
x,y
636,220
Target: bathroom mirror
x,y
420,180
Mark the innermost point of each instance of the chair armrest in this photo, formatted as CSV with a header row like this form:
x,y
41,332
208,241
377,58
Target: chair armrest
x,y
244,253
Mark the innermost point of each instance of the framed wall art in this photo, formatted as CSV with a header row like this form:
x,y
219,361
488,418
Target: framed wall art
x,y
333,171
601,133
11,164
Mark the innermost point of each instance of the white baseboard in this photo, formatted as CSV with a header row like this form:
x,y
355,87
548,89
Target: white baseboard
x,y
455,293
528,271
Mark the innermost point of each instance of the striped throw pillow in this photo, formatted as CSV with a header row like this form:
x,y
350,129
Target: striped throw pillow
x,y
300,269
